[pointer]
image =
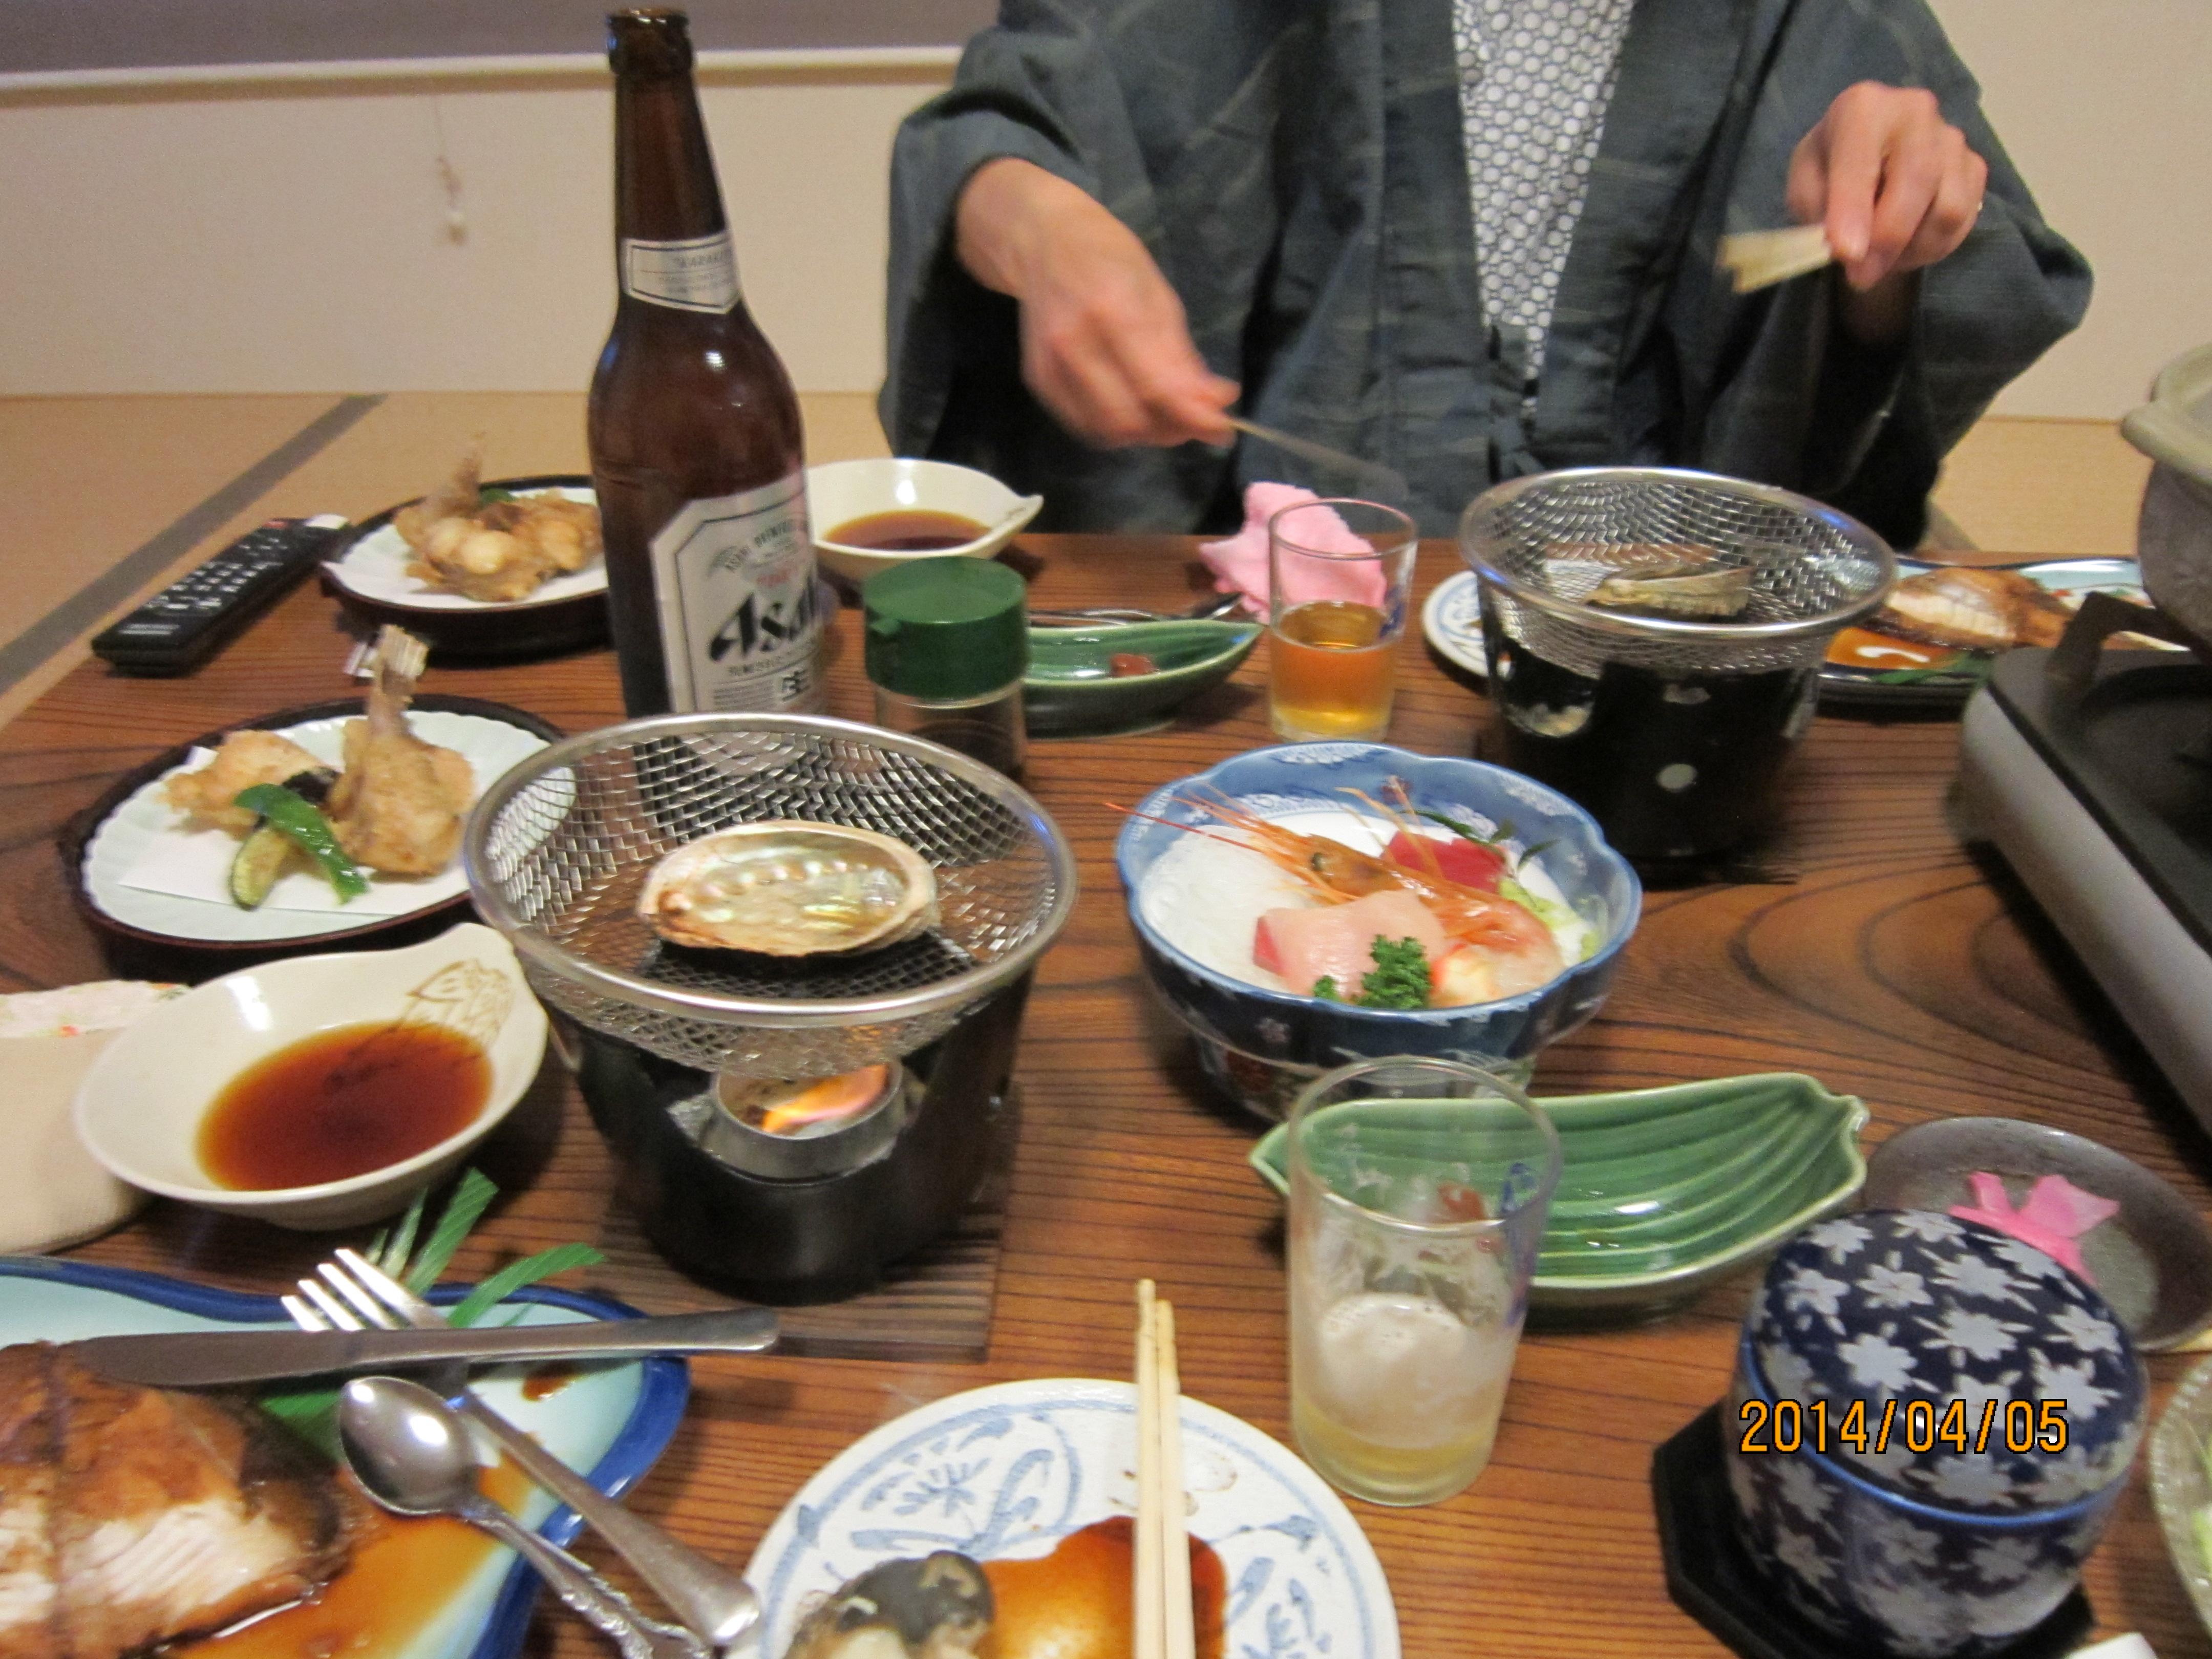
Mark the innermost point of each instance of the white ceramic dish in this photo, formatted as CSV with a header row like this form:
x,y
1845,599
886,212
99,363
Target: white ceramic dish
x,y
374,568
1009,1471
2180,1487
611,1420
139,1107
303,905
1451,622
839,492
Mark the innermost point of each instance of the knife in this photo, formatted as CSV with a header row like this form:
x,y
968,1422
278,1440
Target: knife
x,y
193,1359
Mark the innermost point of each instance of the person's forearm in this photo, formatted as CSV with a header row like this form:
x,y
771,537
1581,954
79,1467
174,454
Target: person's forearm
x,y
1005,210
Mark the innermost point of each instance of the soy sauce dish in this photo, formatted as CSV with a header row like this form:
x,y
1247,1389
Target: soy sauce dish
x,y
318,1091
1120,676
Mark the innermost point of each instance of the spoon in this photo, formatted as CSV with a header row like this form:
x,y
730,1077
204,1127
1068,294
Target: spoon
x,y
1212,606
412,1453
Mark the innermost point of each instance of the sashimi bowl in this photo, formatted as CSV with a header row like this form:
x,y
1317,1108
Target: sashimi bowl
x,y
1201,898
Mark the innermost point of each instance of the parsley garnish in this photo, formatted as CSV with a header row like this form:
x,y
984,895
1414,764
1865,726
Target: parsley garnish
x,y
1325,989
1399,978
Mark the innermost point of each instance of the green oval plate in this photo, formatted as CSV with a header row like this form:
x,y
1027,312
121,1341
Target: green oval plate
x,y
1666,1191
1070,687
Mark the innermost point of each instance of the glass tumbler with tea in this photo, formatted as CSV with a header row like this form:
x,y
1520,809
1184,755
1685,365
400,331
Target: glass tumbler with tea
x,y
1340,574
1419,1190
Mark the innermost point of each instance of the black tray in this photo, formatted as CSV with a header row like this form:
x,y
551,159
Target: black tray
x,y
1713,1579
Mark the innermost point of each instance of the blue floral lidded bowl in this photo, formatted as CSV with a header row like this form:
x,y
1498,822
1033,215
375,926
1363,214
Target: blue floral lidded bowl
x,y
1897,1466
1944,1319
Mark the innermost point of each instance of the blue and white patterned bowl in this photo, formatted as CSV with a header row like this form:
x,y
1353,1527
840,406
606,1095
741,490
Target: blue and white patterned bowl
x,y
1259,1043
1010,1470
1931,1544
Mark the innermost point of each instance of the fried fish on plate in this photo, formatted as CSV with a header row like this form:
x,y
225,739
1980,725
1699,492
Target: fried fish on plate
x,y
397,805
495,551
133,1516
1971,610
244,759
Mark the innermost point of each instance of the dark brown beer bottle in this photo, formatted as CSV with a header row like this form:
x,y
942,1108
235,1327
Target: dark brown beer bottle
x,y
695,431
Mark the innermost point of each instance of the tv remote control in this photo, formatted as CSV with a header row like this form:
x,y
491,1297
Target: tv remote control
x,y
180,627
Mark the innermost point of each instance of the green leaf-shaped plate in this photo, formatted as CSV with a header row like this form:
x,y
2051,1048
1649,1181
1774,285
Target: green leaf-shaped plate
x,y
1071,685
1666,1191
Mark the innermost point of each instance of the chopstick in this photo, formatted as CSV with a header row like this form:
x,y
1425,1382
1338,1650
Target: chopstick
x,y
1163,1608
1760,258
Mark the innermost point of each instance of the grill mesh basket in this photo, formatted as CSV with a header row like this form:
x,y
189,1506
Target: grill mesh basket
x,y
1540,545
559,847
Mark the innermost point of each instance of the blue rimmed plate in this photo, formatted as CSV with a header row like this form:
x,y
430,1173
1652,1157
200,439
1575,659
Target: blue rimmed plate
x,y
612,1421
1009,1471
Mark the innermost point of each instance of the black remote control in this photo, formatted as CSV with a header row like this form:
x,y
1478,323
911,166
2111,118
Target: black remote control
x,y
182,626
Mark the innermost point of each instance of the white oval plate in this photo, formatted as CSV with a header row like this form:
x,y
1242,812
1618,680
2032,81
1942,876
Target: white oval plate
x,y
1451,621
126,837
375,567
1008,1471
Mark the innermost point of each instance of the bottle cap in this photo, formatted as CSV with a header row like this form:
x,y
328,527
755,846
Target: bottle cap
x,y
946,628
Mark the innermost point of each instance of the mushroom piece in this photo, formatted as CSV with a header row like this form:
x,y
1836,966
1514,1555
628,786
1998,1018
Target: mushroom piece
x,y
937,1607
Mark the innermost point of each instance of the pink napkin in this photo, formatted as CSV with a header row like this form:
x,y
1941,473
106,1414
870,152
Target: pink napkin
x,y
1239,563
2057,1213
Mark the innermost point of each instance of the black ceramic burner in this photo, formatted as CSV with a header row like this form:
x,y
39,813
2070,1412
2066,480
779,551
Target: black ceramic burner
x,y
1713,1579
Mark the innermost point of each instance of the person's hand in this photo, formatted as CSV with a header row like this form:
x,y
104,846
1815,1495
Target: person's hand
x,y
1897,189
1104,343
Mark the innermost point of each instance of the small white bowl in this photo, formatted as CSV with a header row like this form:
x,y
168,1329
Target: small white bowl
x,y
839,492
139,1108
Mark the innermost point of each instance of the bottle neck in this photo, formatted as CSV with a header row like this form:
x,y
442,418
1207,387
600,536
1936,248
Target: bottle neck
x,y
672,237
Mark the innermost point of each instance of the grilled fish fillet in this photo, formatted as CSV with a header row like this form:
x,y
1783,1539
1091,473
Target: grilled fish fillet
x,y
133,1516
1971,610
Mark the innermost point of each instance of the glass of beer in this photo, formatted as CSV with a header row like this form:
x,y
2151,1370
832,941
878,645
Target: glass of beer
x,y
1418,1189
1340,576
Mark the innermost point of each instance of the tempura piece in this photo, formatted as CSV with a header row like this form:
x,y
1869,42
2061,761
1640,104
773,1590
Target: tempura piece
x,y
456,498
244,759
398,806
498,551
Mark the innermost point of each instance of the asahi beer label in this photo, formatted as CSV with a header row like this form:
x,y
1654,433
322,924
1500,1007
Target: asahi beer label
x,y
734,577
699,273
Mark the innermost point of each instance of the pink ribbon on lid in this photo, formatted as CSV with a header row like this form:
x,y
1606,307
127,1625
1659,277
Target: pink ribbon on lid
x,y
2056,1213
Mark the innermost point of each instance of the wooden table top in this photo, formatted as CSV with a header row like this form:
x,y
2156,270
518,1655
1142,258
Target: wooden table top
x,y
1897,966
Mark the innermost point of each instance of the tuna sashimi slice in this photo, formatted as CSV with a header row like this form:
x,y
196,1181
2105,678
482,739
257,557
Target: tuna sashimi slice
x,y
1337,940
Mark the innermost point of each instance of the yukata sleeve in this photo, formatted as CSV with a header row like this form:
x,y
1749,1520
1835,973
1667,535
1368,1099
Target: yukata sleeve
x,y
1867,430
1056,83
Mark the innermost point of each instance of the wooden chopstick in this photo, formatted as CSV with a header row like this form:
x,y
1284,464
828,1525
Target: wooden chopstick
x,y
1162,1607
1760,258
1150,1611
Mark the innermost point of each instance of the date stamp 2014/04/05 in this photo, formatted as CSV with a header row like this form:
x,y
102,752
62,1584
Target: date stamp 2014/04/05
x,y
1917,1425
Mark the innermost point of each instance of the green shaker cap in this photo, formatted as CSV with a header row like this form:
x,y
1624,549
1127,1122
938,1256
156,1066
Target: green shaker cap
x,y
947,629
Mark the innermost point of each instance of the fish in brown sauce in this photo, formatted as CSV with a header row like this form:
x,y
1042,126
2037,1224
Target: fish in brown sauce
x,y
133,1516
1972,611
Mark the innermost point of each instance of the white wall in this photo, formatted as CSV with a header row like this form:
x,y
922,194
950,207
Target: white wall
x,y
294,237
2103,105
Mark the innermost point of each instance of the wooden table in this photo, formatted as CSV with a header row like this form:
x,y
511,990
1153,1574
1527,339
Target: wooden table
x,y
1898,966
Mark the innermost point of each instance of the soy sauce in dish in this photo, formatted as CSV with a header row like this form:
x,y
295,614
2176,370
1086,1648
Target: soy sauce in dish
x,y
341,1103
906,530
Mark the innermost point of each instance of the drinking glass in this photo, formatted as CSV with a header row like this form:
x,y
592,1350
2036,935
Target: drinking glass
x,y
1417,1193
1336,607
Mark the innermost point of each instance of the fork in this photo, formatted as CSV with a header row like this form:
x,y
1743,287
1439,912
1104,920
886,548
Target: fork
x,y
352,1293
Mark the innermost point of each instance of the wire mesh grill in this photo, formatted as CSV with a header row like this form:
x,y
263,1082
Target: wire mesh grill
x,y
1540,545
559,848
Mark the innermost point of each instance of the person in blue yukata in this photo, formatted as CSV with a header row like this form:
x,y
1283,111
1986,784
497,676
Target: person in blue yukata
x,y
1469,239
